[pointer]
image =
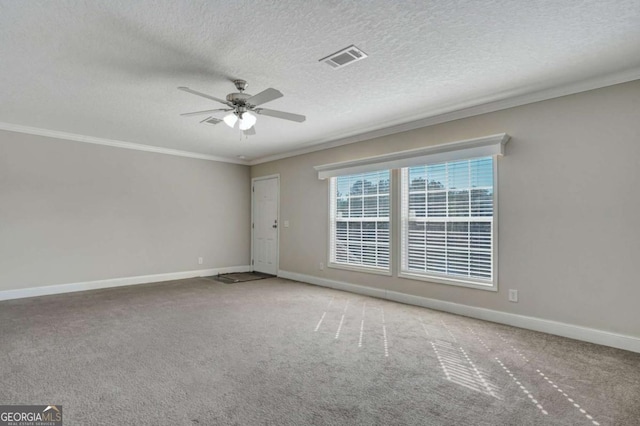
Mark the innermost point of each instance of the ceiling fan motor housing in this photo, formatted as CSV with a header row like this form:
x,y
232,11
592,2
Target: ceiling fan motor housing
x,y
237,98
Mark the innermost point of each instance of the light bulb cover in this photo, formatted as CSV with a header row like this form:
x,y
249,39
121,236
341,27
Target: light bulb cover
x,y
230,119
247,121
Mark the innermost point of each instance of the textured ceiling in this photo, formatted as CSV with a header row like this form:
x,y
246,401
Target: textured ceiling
x,y
110,69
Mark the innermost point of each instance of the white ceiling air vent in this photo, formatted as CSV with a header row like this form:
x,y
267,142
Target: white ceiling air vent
x,y
211,120
344,57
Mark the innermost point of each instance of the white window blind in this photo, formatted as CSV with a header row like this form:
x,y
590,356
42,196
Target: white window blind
x,y
447,213
359,220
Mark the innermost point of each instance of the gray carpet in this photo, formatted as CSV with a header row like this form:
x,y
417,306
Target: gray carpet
x,y
278,352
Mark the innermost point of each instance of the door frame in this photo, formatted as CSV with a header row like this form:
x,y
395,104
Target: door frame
x,y
253,206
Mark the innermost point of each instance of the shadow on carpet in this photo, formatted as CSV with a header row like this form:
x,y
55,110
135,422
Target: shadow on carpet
x,y
239,277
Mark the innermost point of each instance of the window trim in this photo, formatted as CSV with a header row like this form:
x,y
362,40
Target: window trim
x,y
461,150
452,280
486,146
388,271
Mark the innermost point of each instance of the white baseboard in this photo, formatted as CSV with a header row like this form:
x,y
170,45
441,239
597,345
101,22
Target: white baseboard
x,y
600,337
115,282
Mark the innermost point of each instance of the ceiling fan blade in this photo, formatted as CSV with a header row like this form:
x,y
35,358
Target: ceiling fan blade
x,y
204,95
250,131
188,114
281,114
264,97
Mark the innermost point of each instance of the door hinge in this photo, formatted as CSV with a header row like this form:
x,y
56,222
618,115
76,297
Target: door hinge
x,y
253,225
253,188
252,262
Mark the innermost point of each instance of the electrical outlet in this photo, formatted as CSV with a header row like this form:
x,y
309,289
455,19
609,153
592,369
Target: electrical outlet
x,y
199,261
321,266
513,295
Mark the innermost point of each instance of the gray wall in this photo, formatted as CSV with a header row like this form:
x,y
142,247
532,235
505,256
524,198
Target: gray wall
x,y
569,209
73,212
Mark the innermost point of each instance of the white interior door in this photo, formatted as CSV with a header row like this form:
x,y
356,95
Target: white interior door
x,y
265,225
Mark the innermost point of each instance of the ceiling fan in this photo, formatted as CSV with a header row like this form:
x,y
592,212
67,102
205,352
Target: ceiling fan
x,y
241,106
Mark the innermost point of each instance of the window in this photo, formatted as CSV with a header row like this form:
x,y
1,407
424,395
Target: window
x,y
447,214
359,221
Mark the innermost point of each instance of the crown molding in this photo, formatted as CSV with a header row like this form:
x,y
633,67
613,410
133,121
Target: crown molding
x,y
443,115
463,110
115,143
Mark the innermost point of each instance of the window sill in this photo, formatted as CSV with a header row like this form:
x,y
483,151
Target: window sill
x,y
460,282
353,268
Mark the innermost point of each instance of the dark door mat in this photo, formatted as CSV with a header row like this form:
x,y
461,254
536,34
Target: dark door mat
x,y
240,277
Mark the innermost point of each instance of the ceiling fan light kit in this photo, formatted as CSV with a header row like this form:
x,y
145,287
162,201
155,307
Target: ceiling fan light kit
x,y
241,106
230,120
247,121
